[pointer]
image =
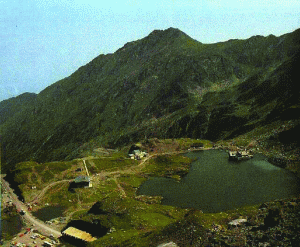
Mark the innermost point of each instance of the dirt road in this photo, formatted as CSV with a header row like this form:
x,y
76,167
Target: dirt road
x,y
135,169
46,229
28,217
129,170
44,190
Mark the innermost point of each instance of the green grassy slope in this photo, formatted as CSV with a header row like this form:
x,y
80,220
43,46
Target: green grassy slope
x,y
165,85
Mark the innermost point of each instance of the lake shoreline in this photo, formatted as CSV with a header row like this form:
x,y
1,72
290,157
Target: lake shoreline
x,y
279,160
216,167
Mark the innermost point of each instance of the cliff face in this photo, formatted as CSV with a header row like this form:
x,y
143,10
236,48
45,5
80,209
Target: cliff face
x,y
165,85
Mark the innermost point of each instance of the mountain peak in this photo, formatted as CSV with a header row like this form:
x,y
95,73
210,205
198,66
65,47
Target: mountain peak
x,y
156,36
170,32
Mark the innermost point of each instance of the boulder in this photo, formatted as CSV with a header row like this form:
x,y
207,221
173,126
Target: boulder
x,y
170,244
236,223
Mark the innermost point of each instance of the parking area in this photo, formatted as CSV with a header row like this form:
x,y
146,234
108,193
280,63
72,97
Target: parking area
x,y
31,238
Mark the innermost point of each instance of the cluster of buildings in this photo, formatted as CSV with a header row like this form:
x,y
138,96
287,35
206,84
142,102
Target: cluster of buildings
x,y
136,153
239,155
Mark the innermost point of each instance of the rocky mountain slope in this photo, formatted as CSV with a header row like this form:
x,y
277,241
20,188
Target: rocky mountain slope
x,y
164,85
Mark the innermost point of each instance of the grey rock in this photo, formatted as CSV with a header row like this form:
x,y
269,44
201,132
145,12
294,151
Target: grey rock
x,y
237,222
170,244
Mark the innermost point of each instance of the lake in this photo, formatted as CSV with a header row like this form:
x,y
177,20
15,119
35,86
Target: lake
x,y
215,184
49,212
11,225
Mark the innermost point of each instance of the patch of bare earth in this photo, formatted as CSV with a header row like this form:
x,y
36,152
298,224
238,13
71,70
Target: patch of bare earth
x,y
120,188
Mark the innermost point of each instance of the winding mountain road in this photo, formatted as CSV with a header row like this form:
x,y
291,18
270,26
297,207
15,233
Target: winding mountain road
x,y
28,217
47,230
44,190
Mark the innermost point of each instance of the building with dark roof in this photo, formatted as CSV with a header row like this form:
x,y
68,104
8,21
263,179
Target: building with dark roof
x,y
82,181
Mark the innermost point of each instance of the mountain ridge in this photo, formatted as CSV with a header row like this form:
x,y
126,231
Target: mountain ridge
x,y
154,86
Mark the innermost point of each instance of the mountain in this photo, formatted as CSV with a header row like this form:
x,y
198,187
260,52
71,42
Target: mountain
x,y
164,85
9,107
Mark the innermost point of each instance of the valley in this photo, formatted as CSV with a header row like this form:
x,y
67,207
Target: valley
x,y
113,200
65,151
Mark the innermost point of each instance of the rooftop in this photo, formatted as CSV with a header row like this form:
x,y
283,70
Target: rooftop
x,y
76,233
80,179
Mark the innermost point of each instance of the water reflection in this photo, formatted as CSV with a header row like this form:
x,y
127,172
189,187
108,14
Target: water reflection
x,y
215,184
49,212
12,225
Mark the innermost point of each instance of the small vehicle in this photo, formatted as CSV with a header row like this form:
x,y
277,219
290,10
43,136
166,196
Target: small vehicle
x,y
47,244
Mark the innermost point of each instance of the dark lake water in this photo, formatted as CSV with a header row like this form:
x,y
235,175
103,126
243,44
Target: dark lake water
x,y
11,226
215,184
49,212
